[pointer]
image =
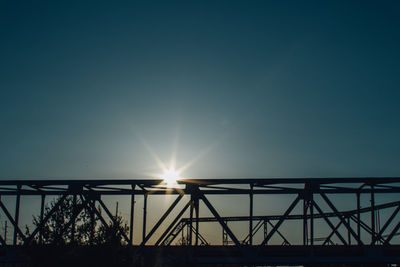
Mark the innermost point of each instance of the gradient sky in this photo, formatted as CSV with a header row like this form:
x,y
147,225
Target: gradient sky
x,y
246,88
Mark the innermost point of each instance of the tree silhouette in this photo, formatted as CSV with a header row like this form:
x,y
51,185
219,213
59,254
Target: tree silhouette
x,y
112,235
57,230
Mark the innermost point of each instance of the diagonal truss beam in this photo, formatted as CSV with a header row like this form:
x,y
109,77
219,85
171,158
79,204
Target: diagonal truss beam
x,y
112,218
392,234
330,223
340,216
201,238
43,222
364,226
379,235
253,231
328,238
90,206
11,219
161,220
223,224
173,223
174,233
279,233
73,218
278,224
2,241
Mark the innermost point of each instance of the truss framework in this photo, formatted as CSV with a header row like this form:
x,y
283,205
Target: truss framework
x,y
303,190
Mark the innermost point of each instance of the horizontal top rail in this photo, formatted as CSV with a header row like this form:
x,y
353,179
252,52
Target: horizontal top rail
x,y
207,186
260,181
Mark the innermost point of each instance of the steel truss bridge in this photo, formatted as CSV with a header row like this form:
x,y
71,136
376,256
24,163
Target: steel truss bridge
x,y
361,231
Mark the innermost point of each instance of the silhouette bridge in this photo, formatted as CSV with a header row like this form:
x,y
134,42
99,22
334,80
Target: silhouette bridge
x,y
331,220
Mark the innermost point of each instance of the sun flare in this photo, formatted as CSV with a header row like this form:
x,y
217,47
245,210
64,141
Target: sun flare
x,y
170,176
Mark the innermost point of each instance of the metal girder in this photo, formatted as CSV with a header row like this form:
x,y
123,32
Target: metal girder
x,y
174,233
340,216
252,232
199,189
279,233
160,221
73,217
168,229
256,181
131,215
13,222
392,234
329,223
223,224
208,186
363,225
91,206
2,241
287,212
328,238
303,187
379,235
43,222
111,217
16,217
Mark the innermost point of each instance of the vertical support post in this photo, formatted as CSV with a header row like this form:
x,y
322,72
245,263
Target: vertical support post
x,y
372,216
266,230
312,218
41,218
358,216
5,232
348,232
183,235
197,220
92,224
188,230
131,215
144,216
191,219
74,210
223,236
16,218
305,234
251,216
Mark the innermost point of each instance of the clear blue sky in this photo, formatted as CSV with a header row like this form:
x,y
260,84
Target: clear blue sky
x,y
247,88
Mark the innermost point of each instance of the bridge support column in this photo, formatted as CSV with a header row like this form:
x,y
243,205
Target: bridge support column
x,y
74,210
191,220
358,215
251,216
372,216
266,230
131,216
144,216
196,201
16,218
43,198
311,218
305,226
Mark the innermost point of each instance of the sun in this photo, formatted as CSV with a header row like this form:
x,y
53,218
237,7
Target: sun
x,y
170,176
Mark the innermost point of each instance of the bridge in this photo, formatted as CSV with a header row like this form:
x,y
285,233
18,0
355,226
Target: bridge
x,y
332,221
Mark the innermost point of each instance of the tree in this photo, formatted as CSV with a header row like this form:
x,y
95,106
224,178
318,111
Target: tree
x,y
113,234
58,228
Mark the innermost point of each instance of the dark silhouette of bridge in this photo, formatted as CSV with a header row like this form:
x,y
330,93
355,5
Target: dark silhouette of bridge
x,y
358,234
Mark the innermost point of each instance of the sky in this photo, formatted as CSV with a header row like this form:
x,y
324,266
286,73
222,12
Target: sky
x,y
94,89
226,89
